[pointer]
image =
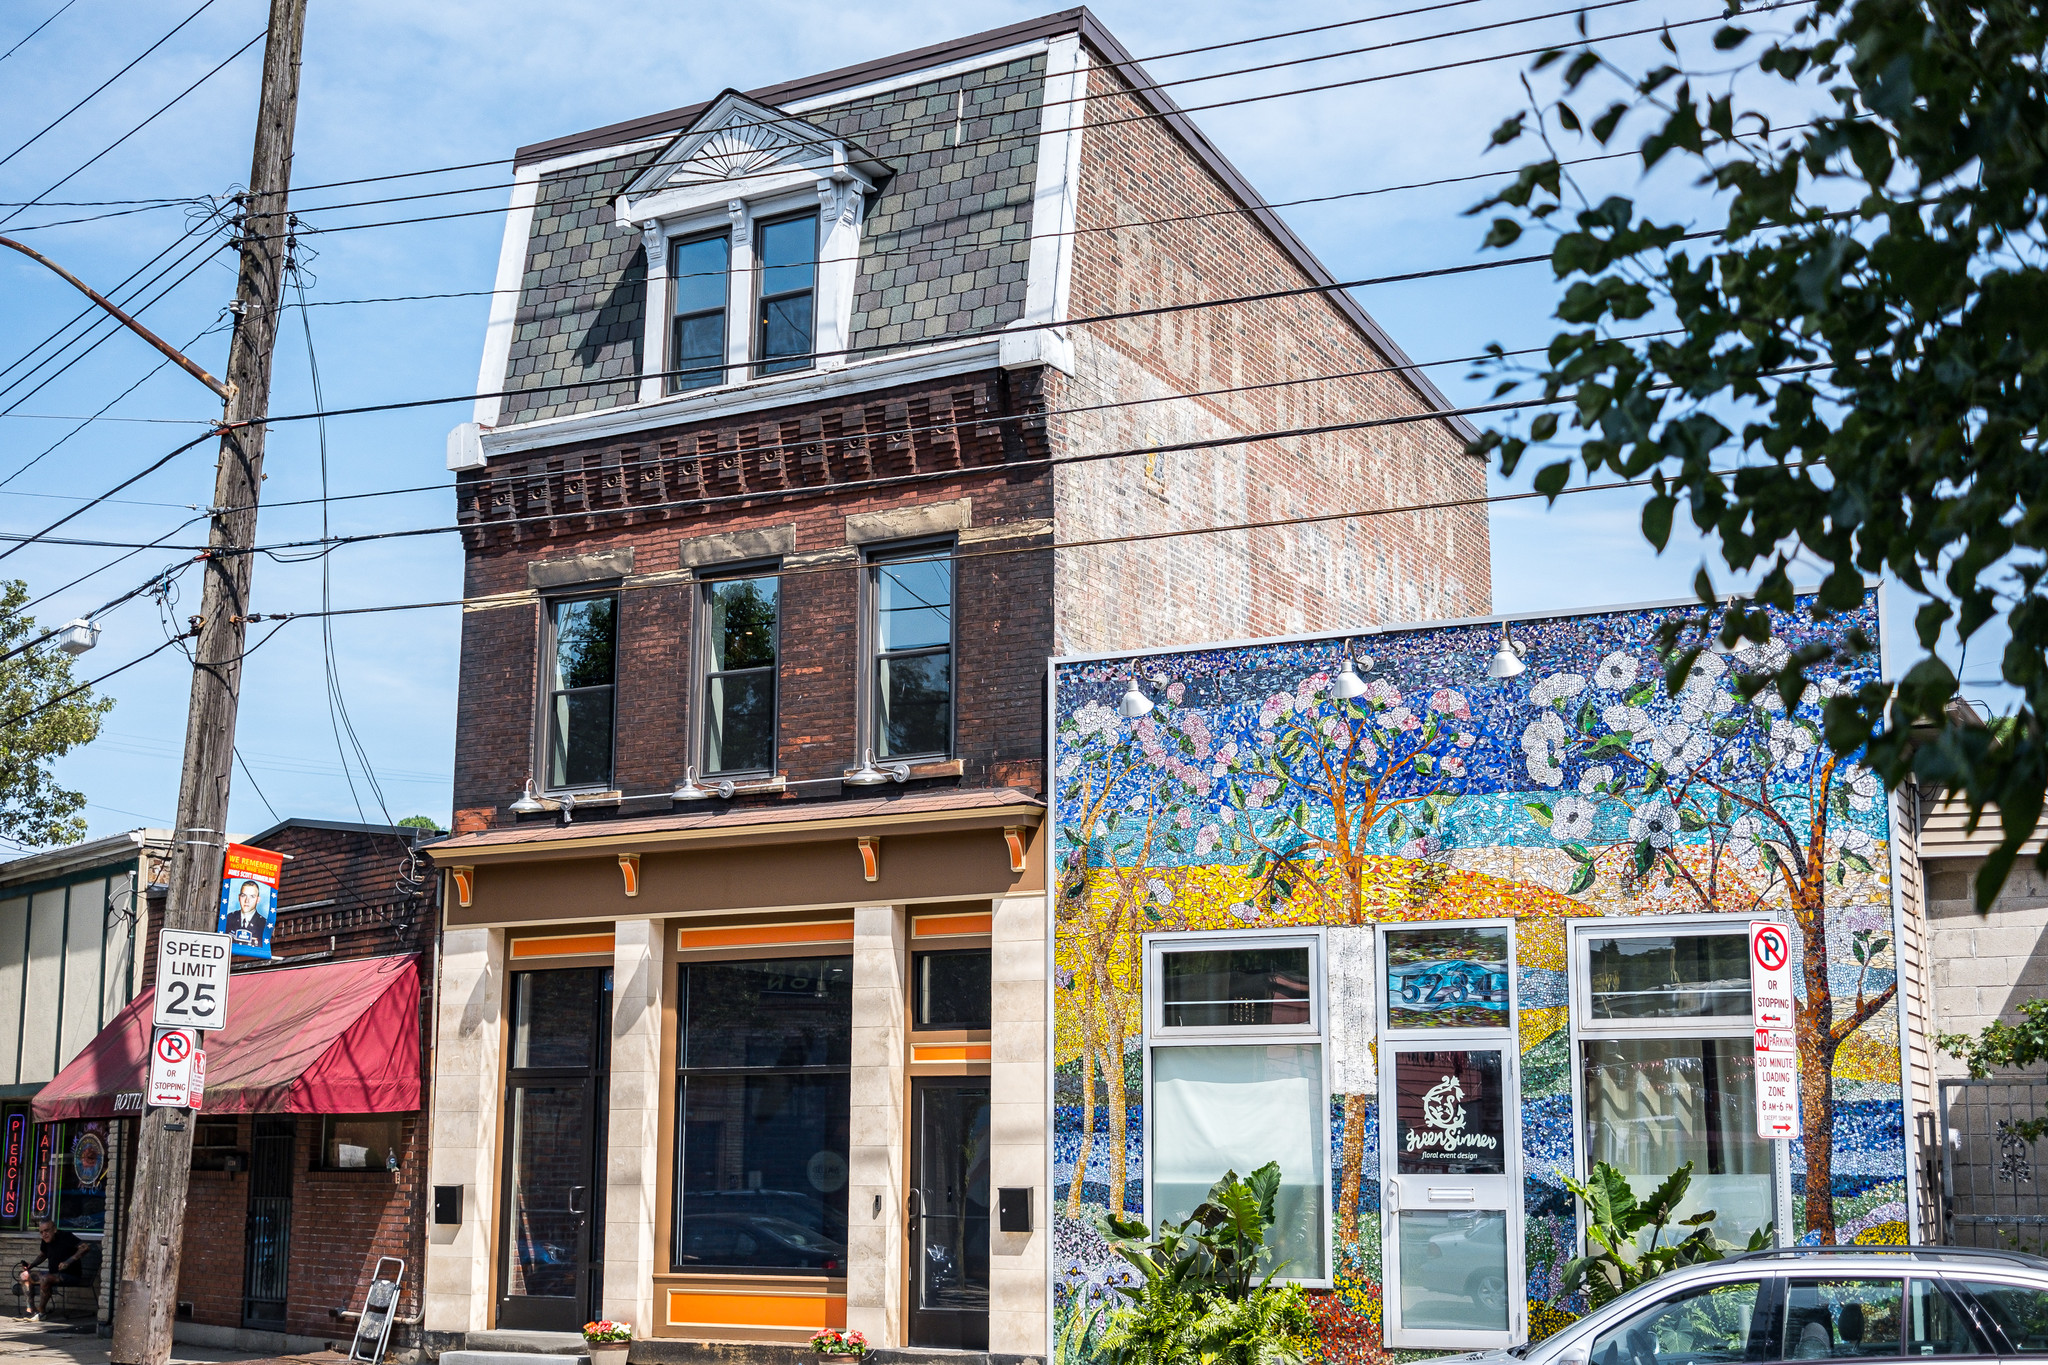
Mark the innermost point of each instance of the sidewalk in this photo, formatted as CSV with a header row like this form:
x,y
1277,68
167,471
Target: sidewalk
x,y
21,1340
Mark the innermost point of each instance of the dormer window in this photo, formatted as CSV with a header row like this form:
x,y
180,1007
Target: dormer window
x,y
751,222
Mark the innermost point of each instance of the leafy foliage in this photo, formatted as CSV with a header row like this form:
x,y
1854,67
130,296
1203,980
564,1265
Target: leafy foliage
x,y
1200,1298
1873,313
2001,1044
1619,1257
427,822
34,810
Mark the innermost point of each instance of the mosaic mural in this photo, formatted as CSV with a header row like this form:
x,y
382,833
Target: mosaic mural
x,y
1251,796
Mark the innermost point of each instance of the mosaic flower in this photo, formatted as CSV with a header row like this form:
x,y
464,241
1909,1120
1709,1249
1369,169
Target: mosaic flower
x,y
1859,843
1616,673
1544,743
1677,745
1380,692
1628,720
1745,838
1572,819
1453,765
1594,778
1207,838
1788,742
1557,687
1450,703
1096,719
1656,821
1863,790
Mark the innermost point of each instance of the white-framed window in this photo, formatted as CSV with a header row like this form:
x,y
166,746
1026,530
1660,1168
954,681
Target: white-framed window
x,y
1664,1064
1236,1075
752,228
910,636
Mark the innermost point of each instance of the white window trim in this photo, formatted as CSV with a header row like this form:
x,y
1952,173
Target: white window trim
x,y
1151,945
837,193
1388,1032
1581,1029
1580,976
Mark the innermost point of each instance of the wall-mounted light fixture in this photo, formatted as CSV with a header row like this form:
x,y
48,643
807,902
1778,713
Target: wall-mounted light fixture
x,y
1507,660
868,775
690,791
529,802
1348,686
1134,702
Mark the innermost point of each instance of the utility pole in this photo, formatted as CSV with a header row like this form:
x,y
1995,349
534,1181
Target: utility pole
x,y
148,1280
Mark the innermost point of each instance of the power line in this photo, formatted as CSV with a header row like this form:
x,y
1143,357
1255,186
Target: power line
x,y
37,29
155,465
70,175
203,7
83,423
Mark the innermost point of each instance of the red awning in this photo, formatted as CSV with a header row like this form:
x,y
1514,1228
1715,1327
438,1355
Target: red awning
x,y
337,1038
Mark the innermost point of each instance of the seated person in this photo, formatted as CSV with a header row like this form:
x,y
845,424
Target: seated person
x,y
66,1257
1851,1327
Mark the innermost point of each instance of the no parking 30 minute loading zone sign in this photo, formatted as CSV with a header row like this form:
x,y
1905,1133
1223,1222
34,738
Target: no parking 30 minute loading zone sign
x,y
1777,1047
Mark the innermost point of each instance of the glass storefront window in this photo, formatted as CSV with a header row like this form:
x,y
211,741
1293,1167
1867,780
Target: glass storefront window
x,y
1653,1104
550,1019
368,1142
1454,977
1454,1271
1235,987
1220,1109
762,1106
83,1151
1668,976
951,989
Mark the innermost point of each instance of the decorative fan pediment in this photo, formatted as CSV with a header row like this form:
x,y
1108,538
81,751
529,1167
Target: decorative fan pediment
x,y
737,138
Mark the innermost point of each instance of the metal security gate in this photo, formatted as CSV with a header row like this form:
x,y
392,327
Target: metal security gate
x,y
270,1224
1993,1169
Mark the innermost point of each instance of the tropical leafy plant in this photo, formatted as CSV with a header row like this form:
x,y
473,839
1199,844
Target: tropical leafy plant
x,y
1619,1256
1200,1297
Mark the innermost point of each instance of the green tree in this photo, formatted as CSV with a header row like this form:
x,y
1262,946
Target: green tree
x,y
57,714
1847,366
426,822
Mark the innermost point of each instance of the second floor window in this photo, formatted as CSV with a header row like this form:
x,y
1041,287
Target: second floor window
x,y
698,272
739,674
581,659
786,323
913,667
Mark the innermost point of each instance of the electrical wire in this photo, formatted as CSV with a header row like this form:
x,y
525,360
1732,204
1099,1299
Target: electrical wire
x,y
151,468
254,787
37,29
80,169
37,135
85,422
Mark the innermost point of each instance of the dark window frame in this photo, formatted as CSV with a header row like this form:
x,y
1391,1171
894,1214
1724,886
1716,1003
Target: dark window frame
x,y
703,673
683,1072
550,644
680,383
873,656
374,1165
765,366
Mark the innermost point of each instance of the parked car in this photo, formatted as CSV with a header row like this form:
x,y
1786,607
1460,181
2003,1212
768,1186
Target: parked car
x,y
1812,1303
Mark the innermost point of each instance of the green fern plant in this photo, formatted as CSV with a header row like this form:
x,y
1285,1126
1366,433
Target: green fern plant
x,y
1618,1256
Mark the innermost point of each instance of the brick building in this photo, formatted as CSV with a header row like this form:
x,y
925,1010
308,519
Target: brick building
x,y
824,415
292,1200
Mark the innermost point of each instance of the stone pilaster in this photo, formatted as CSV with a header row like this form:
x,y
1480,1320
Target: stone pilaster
x,y
469,1005
633,1160
876,1128
1018,1124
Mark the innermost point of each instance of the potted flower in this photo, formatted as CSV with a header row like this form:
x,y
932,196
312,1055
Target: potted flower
x,y
608,1341
837,1342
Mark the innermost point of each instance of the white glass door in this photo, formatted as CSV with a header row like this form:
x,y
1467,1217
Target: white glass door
x,y
1451,1181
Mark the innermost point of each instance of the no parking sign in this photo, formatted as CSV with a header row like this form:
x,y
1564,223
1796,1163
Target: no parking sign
x,y
1770,974
1777,1047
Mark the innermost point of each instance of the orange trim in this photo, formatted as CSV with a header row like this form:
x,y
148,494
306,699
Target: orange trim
x,y
766,935
1013,835
629,868
950,1052
941,926
562,945
694,1308
465,884
870,856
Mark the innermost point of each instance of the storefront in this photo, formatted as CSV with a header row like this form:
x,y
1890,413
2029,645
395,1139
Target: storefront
x,y
1434,917
746,1074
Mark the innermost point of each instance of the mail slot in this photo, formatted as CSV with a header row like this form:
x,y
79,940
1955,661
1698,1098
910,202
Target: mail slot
x,y
1466,1195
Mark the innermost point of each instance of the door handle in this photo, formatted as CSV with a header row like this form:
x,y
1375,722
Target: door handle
x,y
576,1200
913,1208
1393,1196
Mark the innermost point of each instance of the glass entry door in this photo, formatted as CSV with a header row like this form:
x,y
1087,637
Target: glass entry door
x,y
947,1219
551,1250
1452,1182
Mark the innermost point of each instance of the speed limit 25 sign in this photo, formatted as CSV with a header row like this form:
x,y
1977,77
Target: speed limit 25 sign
x,y
192,979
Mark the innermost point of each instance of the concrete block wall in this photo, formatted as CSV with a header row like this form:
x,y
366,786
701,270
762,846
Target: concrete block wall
x,y
1239,585
1984,965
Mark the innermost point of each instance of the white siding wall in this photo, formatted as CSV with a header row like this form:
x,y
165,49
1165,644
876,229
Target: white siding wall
x,y
13,954
83,943
45,985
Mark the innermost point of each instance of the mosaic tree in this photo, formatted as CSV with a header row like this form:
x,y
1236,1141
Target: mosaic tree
x,y
1330,784
1726,802
1127,800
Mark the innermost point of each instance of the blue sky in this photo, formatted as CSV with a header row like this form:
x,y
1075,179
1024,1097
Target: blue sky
x,y
393,87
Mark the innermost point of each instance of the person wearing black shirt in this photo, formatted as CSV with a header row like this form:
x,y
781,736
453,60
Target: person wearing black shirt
x,y
65,1254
